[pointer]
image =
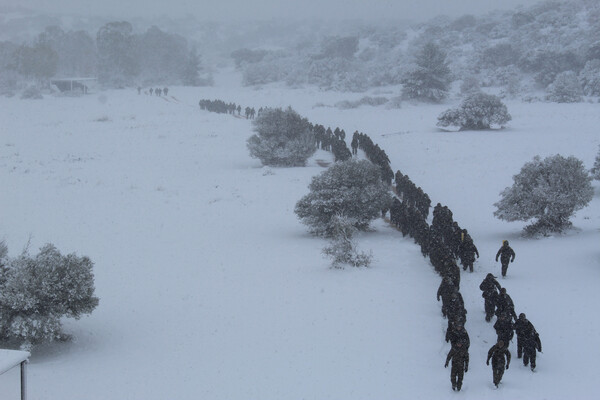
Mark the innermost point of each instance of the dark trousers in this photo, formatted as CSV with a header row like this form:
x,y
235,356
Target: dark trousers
x,y
504,268
456,376
490,307
498,372
529,354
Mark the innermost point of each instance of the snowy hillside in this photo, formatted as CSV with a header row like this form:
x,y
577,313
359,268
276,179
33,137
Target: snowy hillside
x,y
210,288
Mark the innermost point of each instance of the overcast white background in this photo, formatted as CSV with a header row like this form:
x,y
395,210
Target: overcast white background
x,y
267,9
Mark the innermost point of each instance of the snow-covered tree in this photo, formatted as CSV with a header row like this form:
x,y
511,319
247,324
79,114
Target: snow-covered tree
x,y
162,56
283,138
477,111
76,51
342,249
596,169
36,292
193,73
118,60
590,78
39,62
549,190
565,88
352,188
430,79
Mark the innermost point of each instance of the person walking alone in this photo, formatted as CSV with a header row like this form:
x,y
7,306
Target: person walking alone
x,y
506,254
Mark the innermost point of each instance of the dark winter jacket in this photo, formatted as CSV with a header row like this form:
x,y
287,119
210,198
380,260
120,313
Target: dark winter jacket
x,y
506,254
504,329
456,335
527,334
459,357
456,306
467,250
489,286
505,305
445,290
500,356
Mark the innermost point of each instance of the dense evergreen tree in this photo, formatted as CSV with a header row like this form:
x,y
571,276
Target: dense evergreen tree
x,y
430,79
283,138
550,190
352,189
36,292
118,60
565,88
477,111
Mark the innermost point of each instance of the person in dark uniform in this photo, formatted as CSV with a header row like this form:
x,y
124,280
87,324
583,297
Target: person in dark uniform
x,y
500,360
459,355
505,305
467,250
490,291
456,333
506,254
504,328
528,341
445,292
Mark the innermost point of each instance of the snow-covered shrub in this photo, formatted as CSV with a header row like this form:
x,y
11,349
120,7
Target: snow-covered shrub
x,y
469,85
549,190
366,100
477,111
283,138
565,88
36,292
590,78
32,92
499,55
352,188
596,169
547,65
342,249
262,73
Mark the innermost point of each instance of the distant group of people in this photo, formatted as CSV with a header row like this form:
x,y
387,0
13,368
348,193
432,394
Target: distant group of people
x,y
332,141
221,107
374,153
155,91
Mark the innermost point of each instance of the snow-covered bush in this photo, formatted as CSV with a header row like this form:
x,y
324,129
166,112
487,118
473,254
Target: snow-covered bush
x,y
283,138
596,169
470,85
499,55
342,249
477,111
366,100
549,190
32,92
352,188
565,88
36,292
590,78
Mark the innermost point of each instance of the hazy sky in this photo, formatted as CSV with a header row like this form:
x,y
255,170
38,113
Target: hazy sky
x,y
266,9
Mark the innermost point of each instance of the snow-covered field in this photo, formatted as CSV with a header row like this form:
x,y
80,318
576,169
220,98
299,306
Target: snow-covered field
x,y
210,288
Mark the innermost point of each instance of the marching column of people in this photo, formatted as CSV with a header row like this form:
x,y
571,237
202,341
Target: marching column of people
x,y
408,213
444,242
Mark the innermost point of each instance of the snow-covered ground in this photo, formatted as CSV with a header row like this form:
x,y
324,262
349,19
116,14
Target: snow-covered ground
x,y
210,288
